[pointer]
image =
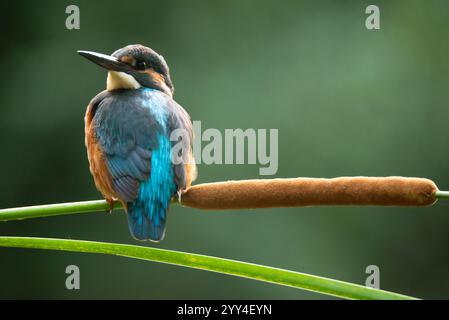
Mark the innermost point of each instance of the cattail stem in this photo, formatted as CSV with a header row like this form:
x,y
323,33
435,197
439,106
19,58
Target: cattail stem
x,y
442,194
268,193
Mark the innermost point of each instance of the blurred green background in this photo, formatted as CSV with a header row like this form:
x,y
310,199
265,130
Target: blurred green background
x,y
346,101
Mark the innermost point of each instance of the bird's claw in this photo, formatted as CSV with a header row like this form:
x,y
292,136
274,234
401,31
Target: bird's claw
x,y
111,205
179,196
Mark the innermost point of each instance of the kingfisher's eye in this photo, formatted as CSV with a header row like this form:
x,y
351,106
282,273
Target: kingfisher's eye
x,y
140,65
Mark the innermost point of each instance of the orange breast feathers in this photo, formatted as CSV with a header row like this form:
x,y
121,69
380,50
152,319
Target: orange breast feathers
x,y
190,170
97,162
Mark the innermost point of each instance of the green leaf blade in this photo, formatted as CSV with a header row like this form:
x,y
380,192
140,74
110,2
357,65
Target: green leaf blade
x,y
220,265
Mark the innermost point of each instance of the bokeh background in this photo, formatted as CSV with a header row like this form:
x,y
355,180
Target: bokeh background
x,y
346,101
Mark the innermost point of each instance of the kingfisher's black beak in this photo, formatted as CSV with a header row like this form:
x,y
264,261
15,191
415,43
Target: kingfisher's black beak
x,y
108,62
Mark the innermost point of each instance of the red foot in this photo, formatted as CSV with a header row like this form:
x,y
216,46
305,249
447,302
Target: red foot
x,y
111,205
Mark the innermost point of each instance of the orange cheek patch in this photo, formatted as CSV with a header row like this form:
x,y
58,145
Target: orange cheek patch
x,y
159,79
154,75
128,60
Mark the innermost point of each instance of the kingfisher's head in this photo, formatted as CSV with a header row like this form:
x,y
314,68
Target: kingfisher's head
x,y
134,67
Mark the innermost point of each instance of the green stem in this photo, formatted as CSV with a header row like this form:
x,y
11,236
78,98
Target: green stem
x,y
442,194
48,210
231,267
86,207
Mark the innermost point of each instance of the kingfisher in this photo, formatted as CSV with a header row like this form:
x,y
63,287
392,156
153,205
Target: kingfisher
x,y
128,136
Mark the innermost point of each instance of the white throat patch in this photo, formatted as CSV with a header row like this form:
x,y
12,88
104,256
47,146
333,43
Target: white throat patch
x,y
121,80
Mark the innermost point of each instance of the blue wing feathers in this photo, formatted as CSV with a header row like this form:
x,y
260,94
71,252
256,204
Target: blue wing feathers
x,y
127,187
133,128
147,214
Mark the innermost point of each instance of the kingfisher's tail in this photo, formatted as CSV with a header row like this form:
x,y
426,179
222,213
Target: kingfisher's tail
x,y
147,214
146,220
